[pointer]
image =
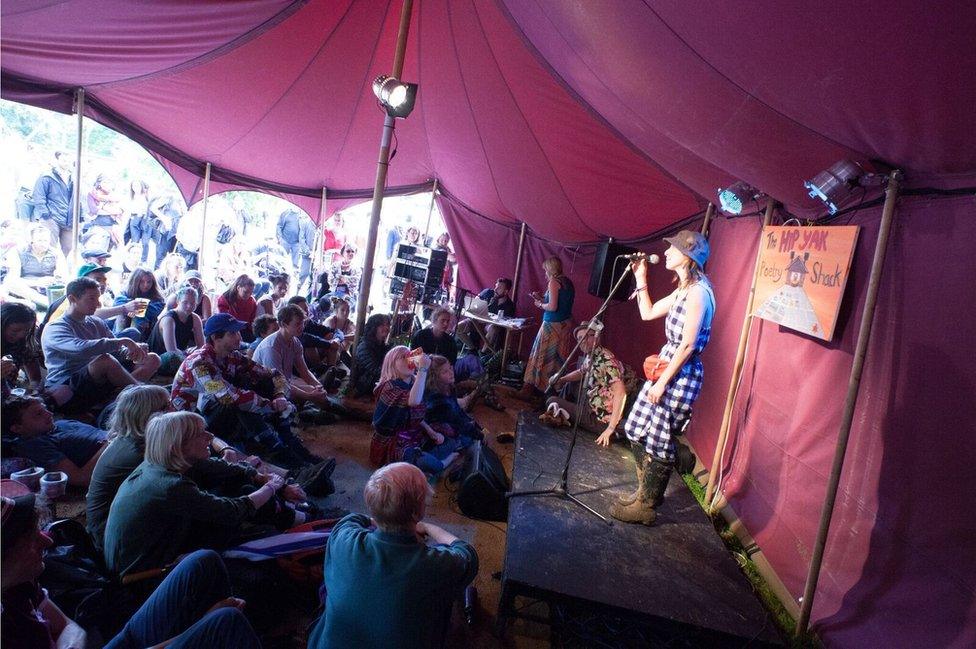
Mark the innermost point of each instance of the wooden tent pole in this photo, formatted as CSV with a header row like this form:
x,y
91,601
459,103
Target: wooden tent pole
x,y
847,418
518,263
430,211
382,167
318,259
203,220
76,191
709,215
736,367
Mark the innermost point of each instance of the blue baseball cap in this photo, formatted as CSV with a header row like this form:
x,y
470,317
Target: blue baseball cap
x,y
222,323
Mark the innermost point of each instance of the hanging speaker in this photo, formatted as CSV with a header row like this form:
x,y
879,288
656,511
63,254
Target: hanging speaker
x,y
603,275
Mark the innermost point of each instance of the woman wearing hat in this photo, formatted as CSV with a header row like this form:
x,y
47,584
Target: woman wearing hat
x,y
664,405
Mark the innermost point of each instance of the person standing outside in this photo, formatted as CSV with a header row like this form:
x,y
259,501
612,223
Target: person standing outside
x,y
53,204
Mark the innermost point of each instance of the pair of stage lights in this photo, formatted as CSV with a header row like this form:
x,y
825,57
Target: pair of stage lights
x,y
397,97
833,186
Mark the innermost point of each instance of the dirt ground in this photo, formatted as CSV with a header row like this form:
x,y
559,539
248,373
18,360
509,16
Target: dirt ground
x,y
348,442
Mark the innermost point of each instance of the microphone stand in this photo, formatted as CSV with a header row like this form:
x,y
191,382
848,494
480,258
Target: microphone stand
x,y
561,489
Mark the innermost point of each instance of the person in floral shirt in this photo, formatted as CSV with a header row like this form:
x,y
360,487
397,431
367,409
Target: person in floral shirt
x,y
605,390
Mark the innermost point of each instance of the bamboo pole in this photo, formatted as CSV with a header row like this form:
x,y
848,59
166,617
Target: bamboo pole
x,y
737,367
860,353
430,211
382,167
203,220
518,263
318,258
709,214
76,191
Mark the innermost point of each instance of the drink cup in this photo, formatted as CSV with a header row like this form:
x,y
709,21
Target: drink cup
x,y
30,478
413,356
140,311
54,484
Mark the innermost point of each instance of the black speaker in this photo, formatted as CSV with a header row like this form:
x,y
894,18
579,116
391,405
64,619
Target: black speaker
x,y
601,280
482,493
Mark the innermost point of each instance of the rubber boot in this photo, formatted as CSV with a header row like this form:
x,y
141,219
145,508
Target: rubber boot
x,y
656,476
639,455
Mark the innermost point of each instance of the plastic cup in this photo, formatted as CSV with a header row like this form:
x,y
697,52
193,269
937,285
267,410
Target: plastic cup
x,y
54,484
30,478
140,311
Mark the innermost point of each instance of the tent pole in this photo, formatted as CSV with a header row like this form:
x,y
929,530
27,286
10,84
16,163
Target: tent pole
x,y
430,211
518,262
847,418
76,192
203,220
318,259
709,214
736,367
382,166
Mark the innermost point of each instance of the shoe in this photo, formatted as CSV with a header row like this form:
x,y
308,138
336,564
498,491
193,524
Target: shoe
x,y
316,479
316,417
504,438
650,496
639,454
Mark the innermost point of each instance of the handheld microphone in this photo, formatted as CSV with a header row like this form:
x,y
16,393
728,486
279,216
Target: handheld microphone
x,y
651,259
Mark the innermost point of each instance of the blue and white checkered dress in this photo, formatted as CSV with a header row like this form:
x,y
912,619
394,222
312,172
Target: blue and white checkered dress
x,y
653,425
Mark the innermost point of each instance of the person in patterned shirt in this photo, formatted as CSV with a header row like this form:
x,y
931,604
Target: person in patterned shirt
x,y
242,402
605,390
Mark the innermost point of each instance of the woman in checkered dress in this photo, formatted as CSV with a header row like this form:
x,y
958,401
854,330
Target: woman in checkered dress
x,y
664,406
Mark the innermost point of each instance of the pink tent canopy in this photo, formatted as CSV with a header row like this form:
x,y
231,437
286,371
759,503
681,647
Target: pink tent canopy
x,y
588,120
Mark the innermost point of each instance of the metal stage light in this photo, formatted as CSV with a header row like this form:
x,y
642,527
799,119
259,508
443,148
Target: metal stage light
x,y
733,198
397,97
836,184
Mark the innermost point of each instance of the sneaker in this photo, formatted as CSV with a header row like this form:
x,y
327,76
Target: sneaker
x,y
504,438
316,479
316,417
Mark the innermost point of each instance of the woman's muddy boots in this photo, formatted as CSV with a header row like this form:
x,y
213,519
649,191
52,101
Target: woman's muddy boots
x,y
649,496
639,456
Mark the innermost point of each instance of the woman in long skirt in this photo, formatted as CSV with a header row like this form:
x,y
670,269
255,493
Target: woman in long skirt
x,y
553,343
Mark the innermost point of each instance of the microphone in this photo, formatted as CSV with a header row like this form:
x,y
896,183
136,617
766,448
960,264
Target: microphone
x,y
651,259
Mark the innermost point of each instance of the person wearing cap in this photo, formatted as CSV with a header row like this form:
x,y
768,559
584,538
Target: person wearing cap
x,y
604,393
192,607
80,351
98,273
243,402
663,406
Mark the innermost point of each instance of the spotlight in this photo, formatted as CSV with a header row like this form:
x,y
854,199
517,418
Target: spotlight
x,y
732,199
836,184
397,97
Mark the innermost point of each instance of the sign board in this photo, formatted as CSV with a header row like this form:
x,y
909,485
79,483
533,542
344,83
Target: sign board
x,y
802,275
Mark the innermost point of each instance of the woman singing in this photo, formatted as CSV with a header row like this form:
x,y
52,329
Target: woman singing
x,y
664,405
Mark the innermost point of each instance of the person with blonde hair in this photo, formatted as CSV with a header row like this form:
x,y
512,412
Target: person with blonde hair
x,y
553,343
407,573
158,511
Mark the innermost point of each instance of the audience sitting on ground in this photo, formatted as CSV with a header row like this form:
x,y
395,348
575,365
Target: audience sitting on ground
x,y
238,301
176,331
370,352
204,306
445,412
192,607
243,402
34,267
170,275
264,326
158,496
320,343
21,351
106,311
79,351
142,287
436,338
275,299
499,303
340,321
407,585
69,446
399,430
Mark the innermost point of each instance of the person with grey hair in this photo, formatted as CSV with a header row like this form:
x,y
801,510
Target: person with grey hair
x,y
407,573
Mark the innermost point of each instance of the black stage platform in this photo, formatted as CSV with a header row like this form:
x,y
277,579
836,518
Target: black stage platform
x,y
676,575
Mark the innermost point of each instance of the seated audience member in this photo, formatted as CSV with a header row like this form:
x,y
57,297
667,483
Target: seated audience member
x,y
445,412
242,401
142,287
34,267
106,311
239,303
604,392
400,433
264,326
346,274
18,325
321,343
204,305
370,353
68,446
282,351
499,303
407,585
79,351
159,497
436,339
340,321
170,275
177,330
192,607
275,299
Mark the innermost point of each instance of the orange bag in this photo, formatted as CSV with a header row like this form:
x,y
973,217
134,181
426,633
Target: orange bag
x,y
654,367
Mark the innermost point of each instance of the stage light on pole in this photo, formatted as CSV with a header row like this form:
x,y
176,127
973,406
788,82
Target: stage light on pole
x,y
397,97
733,198
836,184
